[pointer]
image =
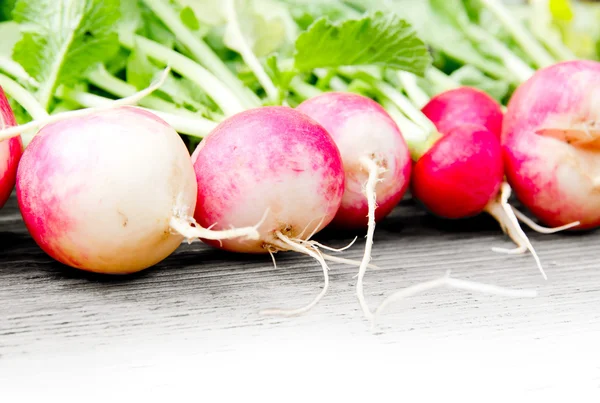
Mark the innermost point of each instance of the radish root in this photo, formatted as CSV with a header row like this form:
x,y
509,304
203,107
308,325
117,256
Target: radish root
x,y
182,225
133,99
447,281
286,243
373,169
504,214
542,230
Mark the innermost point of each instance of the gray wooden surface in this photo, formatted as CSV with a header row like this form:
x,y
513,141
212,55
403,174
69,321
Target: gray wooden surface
x,y
61,329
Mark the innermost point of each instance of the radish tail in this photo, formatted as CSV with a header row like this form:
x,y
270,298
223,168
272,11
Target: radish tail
x,y
504,214
449,282
287,243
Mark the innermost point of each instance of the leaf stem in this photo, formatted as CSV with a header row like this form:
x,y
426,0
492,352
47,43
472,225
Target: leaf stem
x,y
197,126
525,39
101,78
185,66
247,54
23,97
202,52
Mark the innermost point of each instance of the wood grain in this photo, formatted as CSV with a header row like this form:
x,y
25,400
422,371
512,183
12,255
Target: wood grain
x,y
208,301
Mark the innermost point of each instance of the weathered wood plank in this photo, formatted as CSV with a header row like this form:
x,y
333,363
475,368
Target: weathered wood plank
x,y
208,300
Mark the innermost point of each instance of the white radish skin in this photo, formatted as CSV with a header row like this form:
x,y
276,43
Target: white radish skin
x,y
100,192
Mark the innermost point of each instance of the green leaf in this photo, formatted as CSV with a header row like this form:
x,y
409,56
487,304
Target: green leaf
x,y
6,7
306,12
154,29
377,39
281,78
266,26
439,32
189,18
561,10
63,38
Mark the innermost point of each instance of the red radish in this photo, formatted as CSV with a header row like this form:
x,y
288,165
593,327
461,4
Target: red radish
x,y
551,144
273,159
460,174
10,151
111,192
464,105
376,161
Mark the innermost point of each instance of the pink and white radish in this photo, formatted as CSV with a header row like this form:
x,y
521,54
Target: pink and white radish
x,y
376,162
275,160
112,191
10,151
551,144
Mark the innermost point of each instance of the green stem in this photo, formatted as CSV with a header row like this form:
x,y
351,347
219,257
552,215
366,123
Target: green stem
x,y
440,80
525,39
202,52
23,97
247,54
15,70
221,94
519,68
102,79
197,126
414,92
558,49
406,106
303,89
417,139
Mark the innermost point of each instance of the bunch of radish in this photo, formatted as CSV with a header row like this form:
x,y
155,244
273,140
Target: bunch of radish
x,y
114,190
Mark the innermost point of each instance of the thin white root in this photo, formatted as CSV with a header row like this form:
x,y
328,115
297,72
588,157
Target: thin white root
x,y
373,170
321,246
349,262
515,251
292,245
130,100
273,258
183,227
538,228
504,214
447,281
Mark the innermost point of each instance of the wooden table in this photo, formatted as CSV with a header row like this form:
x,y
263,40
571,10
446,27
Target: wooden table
x,y
190,326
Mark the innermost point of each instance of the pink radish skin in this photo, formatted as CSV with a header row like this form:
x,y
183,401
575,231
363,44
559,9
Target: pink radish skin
x,y
10,151
271,159
464,105
108,192
376,161
550,140
362,128
461,174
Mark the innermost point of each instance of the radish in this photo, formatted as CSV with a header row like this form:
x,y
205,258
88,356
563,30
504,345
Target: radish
x,y
273,159
464,105
10,151
550,143
376,162
112,191
459,173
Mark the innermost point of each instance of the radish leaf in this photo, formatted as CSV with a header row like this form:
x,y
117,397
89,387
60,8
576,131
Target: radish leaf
x,y
377,39
63,38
